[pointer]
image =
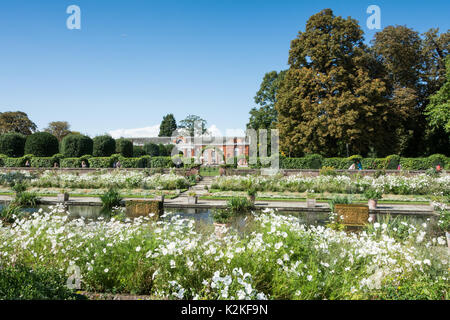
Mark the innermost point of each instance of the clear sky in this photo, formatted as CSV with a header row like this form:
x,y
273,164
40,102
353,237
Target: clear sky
x,y
134,61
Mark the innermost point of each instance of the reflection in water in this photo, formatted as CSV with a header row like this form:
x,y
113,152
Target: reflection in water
x,y
205,216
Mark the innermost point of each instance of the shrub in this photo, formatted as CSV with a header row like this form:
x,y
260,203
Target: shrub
x,y
19,282
110,199
101,162
392,162
239,205
76,145
132,162
12,144
372,194
43,162
437,159
328,171
2,160
104,146
313,161
151,149
124,147
16,162
42,144
138,151
161,162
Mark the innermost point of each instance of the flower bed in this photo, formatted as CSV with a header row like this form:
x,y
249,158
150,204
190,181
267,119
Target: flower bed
x,y
387,184
279,259
123,180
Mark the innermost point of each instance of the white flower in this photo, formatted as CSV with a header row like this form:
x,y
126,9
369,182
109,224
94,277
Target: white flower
x,y
106,270
172,264
309,277
138,248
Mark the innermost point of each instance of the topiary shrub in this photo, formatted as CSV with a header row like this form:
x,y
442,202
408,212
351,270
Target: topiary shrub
x,y
138,151
104,146
41,144
392,162
437,159
44,162
124,147
12,144
76,145
160,162
151,149
101,162
313,161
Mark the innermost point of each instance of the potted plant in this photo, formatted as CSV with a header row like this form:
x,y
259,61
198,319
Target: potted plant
x,y
192,197
372,195
63,196
251,192
222,221
310,199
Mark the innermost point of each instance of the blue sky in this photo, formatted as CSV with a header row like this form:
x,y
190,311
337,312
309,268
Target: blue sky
x,y
134,61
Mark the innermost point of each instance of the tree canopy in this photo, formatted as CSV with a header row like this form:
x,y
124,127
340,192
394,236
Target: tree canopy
x,y
17,121
193,124
59,129
168,126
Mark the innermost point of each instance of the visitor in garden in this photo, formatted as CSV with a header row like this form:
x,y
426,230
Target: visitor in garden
x,y
359,165
118,164
27,164
55,165
399,167
352,167
83,164
438,168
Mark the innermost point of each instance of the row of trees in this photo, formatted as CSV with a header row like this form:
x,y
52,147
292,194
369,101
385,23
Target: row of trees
x,y
341,96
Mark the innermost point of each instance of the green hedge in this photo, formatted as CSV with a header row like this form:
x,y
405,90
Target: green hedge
x,y
12,144
308,162
41,144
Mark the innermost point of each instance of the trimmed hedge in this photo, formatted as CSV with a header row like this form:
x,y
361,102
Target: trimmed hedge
x,y
41,144
12,144
124,147
309,162
104,146
76,145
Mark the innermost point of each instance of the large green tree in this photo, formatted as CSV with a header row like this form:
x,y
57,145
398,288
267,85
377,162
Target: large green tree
x,y
438,111
17,121
59,129
265,116
329,101
193,124
168,126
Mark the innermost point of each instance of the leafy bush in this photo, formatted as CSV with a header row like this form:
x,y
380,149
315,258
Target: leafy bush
x,y
16,162
41,144
339,200
392,162
76,145
222,216
151,149
12,144
110,199
373,194
44,162
104,146
239,205
19,282
8,213
132,162
101,162
160,162
124,147
328,171
138,151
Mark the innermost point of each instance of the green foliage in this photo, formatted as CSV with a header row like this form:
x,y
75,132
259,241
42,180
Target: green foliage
x,y
12,144
16,122
138,151
124,147
328,171
438,110
44,162
168,126
42,144
110,200
151,149
193,124
373,194
160,162
222,216
239,205
26,199
132,162
101,162
19,282
10,212
104,146
16,162
76,145
339,200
